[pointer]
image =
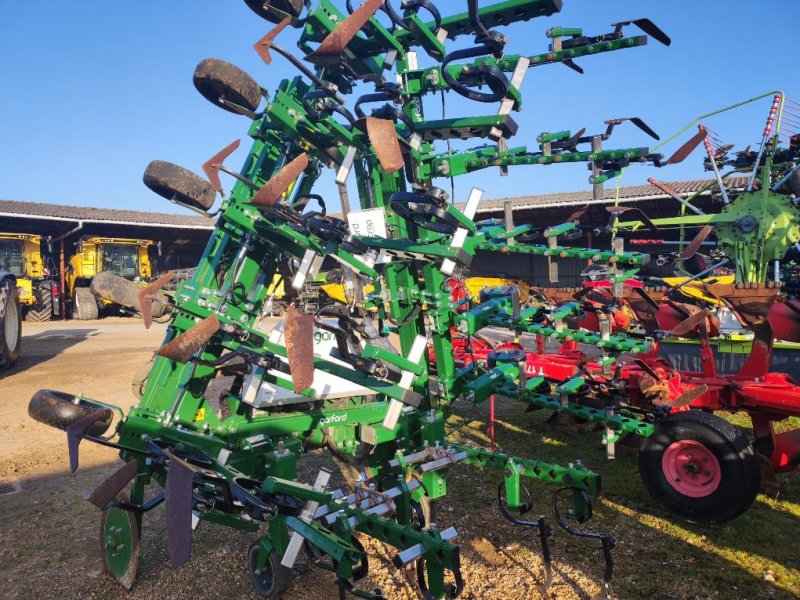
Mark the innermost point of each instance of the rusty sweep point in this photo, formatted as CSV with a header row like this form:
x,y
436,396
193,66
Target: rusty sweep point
x,y
300,347
383,137
687,325
686,398
212,165
329,52
272,190
190,341
146,295
263,45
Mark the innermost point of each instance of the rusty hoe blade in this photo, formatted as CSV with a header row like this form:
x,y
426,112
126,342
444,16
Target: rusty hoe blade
x,y
695,244
146,295
183,347
212,165
107,490
263,45
685,150
686,398
383,138
578,214
178,498
300,347
269,194
77,430
330,49
690,323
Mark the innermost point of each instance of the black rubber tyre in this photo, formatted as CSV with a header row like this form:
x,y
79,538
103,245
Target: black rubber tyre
x,y
60,410
177,184
43,309
84,305
737,475
292,7
216,79
272,581
10,324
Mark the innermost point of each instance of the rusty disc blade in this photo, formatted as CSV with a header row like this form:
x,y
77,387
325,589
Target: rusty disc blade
x,y
77,430
105,491
684,151
178,498
263,45
211,166
146,295
272,190
695,244
689,324
300,348
686,398
383,138
190,341
330,49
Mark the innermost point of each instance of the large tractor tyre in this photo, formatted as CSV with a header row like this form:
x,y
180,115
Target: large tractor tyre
x,y
42,310
700,467
10,324
60,410
272,579
291,7
177,184
216,79
84,305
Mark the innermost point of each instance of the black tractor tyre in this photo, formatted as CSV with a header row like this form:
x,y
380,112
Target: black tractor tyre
x,y
671,469
177,184
216,79
60,410
291,7
43,309
84,305
10,324
272,581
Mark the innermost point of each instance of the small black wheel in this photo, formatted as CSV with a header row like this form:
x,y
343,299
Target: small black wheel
x,y
292,7
270,579
42,310
700,467
10,324
84,305
60,410
177,184
216,79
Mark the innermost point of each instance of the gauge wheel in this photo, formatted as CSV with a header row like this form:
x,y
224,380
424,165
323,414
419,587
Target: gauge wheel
x,y
10,324
180,185
60,410
217,80
292,7
269,576
700,467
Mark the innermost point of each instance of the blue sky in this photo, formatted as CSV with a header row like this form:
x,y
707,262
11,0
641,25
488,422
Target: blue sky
x,y
93,90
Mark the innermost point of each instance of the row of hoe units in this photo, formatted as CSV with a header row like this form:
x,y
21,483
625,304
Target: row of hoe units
x,y
374,378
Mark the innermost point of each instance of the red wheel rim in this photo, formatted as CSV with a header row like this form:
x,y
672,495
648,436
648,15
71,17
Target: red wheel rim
x,y
691,468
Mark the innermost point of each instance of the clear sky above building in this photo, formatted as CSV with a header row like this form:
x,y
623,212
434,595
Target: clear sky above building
x,y
93,90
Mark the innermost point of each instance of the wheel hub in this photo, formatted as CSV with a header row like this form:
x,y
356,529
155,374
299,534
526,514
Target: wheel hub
x,y
691,468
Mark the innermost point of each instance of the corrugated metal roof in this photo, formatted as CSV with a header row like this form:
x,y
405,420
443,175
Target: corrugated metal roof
x,y
14,208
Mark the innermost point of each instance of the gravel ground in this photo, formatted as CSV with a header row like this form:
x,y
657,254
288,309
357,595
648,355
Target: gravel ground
x,y
49,535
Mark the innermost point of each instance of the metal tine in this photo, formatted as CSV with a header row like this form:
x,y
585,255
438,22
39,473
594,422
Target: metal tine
x,y
271,191
212,165
684,151
183,347
145,297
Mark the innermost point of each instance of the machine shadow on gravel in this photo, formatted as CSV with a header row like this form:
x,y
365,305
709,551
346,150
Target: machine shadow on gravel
x,y
43,346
